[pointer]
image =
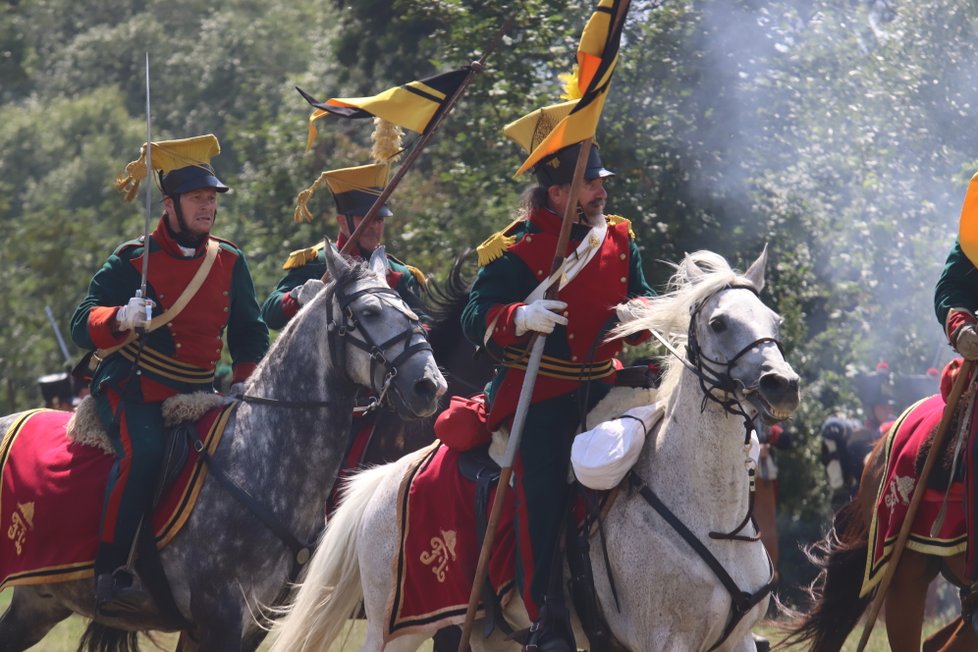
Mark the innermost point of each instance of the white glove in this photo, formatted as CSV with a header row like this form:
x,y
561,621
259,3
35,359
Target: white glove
x,y
966,342
630,310
540,316
133,314
236,389
307,291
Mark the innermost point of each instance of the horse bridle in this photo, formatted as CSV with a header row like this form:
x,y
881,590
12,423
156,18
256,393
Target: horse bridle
x,y
340,333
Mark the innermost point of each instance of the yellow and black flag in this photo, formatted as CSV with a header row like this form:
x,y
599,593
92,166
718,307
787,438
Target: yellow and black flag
x,y
597,55
413,106
968,224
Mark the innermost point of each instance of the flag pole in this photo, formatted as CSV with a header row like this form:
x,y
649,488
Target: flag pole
x,y
474,68
523,405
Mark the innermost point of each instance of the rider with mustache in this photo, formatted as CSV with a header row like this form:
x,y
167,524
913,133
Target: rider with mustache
x,y
142,362
505,309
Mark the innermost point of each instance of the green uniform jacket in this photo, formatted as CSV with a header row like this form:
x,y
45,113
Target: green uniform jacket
x,y
958,285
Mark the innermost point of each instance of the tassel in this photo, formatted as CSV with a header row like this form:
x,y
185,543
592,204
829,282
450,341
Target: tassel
x,y
302,200
572,84
387,141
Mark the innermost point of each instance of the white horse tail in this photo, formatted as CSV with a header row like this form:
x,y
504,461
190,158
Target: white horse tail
x,y
330,593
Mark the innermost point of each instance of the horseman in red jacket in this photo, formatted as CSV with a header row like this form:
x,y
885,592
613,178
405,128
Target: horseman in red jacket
x,y
174,355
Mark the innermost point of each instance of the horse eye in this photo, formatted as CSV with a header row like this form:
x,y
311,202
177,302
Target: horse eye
x,y
718,325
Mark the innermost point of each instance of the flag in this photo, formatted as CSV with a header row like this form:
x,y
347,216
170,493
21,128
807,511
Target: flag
x,y
597,55
412,106
968,226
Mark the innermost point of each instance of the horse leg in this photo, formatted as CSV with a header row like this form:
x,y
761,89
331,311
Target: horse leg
x,y
28,619
905,600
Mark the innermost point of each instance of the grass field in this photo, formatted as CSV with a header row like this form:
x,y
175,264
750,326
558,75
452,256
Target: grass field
x,y
64,637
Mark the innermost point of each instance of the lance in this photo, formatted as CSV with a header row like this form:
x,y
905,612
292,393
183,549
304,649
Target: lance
x,y
523,405
474,68
964,377
149,203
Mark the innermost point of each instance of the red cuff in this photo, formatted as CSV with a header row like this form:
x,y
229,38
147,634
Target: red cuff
x,y
101,327
955,320
503,329
289,306
242,370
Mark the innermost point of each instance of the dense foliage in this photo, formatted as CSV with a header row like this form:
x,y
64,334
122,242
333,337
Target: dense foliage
x,y
834,131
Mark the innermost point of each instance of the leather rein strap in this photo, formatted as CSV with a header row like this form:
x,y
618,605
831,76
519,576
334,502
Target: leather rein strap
x,y
741,601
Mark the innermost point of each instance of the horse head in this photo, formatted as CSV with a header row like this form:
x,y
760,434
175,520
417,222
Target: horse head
x,y
732,339
375,338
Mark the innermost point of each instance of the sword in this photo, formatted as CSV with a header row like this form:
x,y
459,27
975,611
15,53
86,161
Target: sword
x,y
141,292
57,334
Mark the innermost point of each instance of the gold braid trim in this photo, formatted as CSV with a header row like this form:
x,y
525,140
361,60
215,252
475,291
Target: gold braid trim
x,y
496,245
302,257
614,220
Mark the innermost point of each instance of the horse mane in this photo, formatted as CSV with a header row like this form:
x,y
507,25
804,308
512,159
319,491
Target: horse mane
x,y
698,276
445,303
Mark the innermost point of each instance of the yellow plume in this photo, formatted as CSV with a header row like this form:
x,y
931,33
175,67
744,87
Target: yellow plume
x,y
572,84
387,141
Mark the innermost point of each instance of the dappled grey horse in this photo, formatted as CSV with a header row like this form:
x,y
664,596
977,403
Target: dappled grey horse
x,y
285,449
693,466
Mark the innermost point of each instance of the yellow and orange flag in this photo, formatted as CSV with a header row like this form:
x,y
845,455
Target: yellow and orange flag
x,y
968,226
597,55
413,106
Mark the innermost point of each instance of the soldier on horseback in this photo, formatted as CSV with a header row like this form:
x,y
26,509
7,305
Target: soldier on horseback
x,y
604,269
149,348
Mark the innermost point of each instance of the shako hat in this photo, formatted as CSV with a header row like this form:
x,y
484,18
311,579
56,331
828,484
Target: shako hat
x,y
184,165
558,168
354,190
56,386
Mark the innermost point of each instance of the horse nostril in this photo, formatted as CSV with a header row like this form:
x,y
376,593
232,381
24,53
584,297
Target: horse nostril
x,y
774,383
426,389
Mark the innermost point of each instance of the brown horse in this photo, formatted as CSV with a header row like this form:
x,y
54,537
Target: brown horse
x,y
842,557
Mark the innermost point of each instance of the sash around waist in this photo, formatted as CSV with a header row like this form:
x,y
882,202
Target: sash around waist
x,y
552,367
163,366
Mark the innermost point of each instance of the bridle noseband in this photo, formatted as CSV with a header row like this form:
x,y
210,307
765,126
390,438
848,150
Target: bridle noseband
x,y
341,332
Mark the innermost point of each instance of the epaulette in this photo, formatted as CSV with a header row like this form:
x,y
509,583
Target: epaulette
x,y
415,272
138,242
496,245
301,257
614,220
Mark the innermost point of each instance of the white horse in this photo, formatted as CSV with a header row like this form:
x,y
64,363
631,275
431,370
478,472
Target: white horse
x,y
670,596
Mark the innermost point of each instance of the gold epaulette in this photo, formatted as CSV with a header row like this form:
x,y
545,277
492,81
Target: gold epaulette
x,y
614,220
301,257
415,272
496,245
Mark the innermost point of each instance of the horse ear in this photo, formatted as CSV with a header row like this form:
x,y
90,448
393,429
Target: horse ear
x,y
378,262
690,270
755,274
335,263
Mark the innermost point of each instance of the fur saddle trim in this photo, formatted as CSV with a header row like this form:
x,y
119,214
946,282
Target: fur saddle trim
x,y
86,428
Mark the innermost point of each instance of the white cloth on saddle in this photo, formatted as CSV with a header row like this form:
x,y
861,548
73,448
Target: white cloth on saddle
x,y
603,455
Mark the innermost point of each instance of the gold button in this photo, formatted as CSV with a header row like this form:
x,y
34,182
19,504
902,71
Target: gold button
x,y
622,256
226,292
566,313
529,238
179,345
225,309
539,272
570,336
217,350
624,280
574,358
162,296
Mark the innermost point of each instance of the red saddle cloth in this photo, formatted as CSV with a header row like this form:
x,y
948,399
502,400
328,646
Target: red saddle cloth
x,y
438,551
903,444
51,494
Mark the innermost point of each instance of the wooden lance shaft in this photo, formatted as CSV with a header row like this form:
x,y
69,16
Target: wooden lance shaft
x,y
523,405
964,377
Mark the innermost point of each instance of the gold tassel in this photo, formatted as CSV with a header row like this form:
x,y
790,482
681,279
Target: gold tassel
x,y
302,200
387,141
614,220
572,84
